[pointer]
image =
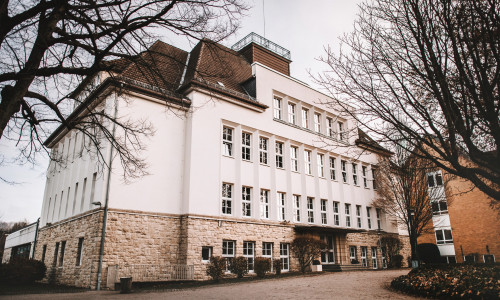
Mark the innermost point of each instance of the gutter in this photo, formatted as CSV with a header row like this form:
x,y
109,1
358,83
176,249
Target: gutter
x,y
105,217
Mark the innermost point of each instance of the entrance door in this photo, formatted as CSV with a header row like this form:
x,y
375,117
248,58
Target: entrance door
x,y
328,255
364,253
374,257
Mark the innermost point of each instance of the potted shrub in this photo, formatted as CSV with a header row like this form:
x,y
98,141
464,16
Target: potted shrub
x,y
316,266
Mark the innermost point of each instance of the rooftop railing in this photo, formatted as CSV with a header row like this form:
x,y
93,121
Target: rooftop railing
x,y
261,41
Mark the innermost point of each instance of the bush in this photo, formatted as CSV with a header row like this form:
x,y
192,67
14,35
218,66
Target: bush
x,y
239,266
262,265
429,253
21,271
215,268
306,248
277,266
451,281
397,261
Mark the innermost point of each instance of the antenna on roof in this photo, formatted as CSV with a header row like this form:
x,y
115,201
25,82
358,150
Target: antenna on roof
x,y
264,16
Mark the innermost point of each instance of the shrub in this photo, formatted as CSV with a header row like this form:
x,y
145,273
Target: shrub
x,y
239,266
392,246
306,248
21,271
262,265
429,253
397,261
277,266
215,268
451,281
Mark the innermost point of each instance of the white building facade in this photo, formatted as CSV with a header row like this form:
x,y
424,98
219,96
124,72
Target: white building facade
x,y
238,166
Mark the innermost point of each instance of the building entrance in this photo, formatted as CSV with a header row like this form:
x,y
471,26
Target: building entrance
x,y
328,255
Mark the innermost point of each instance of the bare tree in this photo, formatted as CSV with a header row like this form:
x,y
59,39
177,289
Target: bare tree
x,y
428,70
403,193
306,248
52,50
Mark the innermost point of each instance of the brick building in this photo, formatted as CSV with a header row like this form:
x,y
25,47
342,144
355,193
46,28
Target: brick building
x,y
465,225
241,162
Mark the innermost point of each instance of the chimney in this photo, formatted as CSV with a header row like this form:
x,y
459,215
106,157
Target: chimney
x,y
258,49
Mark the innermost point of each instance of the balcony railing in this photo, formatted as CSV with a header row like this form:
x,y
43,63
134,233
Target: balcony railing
x,y
261,41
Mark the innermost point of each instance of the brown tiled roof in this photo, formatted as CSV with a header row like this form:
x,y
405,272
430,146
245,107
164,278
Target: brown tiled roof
x,y
365,140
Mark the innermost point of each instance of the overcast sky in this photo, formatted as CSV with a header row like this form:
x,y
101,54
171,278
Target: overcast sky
x,y
303,27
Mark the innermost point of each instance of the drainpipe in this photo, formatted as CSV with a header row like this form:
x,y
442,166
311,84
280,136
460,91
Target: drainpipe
x,y
105,217
36,237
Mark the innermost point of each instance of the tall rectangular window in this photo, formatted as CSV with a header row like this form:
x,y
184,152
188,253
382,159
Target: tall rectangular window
x,y
319,161
44,251
353,254
348,215
92,190
267,252
227,198
249,254
336,214
277,108
364,255
227,141
307,162
374,258
294,159
374,179
263,142
296,208
74,199
368,217
358,216
342,135
317,122
305,118
379,220
291,113
285,256
246,145
246,201
329,127
279,155
324,204
355,174
228,251
332,169
56,253
84,188
206,253
281,206
343,166
79,252
310,209
363,173
435,179
264,204
61,257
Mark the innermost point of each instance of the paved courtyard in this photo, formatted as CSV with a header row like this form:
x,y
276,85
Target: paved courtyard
x,y
344,285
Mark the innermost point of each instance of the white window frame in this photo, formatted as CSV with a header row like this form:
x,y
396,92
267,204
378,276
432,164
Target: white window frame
x,y
279,155
341,130
343,167
246,146
264,204
79,251
374,178
333,175
294,159
379,218
444,240
358,216
368,217
263,150
307,162
292,119
317,122
329,127
267,252
353,253
364,256
246,201
278,108
374,257
336,213
305,117
324,209
310,210
227,141
281,199
228,252
319,161
383,255
355,174
210,253
439,206
347,210
285,256
249,254
227,198
435,179
363,173
296,208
